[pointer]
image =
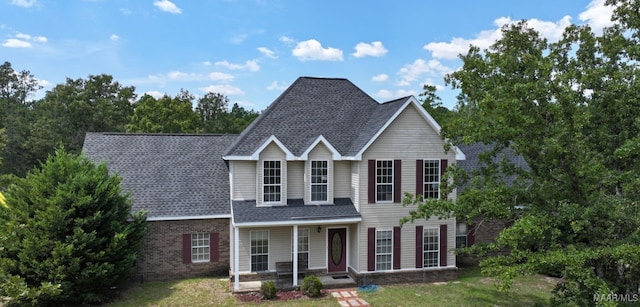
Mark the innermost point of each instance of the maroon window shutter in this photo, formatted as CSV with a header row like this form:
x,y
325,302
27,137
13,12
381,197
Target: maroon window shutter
x,y
443,245
372,182
371,249
471,235
443,166
419,247
397,181
419,177
214,246
186,248
396,248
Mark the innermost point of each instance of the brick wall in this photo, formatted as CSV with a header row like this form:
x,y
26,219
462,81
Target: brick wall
x,y
410,276
487,232
160,257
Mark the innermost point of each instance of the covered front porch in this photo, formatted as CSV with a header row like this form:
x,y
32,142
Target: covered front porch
x,y
308,239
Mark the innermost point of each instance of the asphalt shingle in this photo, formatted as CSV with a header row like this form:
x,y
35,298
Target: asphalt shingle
x,y
168,175
295,210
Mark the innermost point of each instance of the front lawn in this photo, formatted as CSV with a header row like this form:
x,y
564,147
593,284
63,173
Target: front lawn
x,y
471,290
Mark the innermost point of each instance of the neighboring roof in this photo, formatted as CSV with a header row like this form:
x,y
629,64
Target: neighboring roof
x,y
295,212
311,107
171,176
472,162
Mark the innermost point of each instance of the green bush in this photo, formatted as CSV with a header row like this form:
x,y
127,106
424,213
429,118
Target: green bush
x,y
268,289
311,286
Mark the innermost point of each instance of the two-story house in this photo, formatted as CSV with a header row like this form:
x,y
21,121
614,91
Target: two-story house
x,y
317,179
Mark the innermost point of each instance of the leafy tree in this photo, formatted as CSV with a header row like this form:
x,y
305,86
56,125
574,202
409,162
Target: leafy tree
x,y
570,109
166,115
15,89
213,109
67,234
70,110
433,104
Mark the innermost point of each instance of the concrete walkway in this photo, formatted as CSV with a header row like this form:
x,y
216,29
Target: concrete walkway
x,y
348,297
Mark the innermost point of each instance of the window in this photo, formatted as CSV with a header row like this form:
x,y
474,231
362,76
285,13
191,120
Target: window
x,y
384,180
319,180
272,182
431,247
431,179
303,248
461,235
384,249
259,250
200,247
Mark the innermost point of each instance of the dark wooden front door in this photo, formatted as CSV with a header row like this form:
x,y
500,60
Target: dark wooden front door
x,y
337,253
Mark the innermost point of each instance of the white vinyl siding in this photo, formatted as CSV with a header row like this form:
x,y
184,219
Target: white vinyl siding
x,y
244,179
342,179
418,141
295,187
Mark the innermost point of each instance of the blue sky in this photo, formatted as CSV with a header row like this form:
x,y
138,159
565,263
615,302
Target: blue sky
x,y
251,50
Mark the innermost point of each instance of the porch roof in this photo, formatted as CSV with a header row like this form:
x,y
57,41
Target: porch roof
x,y
247,213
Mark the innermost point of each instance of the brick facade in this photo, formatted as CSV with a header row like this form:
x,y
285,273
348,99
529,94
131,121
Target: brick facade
x,y
408,276
160,257
487,232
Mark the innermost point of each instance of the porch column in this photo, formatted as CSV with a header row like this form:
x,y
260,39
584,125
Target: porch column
x,y
295,255
236,259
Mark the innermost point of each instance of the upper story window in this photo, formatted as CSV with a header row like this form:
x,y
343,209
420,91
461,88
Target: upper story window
x,y
431,179
319,180
384,180
272,182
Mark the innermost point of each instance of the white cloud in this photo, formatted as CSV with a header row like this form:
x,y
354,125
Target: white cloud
x,y
251,65
450,50
287,40
155,94
238,38
206,63
23,36
267,52
380,78
375,49
125,11
224,89
275,85
387,94
413,71
40,39
43,83
311,50
220,76
16,43
597,15
167,6
114,37
24,3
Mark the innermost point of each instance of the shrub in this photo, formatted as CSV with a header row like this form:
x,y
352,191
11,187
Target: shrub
x,y
268,289
311,286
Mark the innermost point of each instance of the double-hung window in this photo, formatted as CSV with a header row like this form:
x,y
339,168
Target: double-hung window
x,y
431,179
200,247
431,247
259,250
319,181
384,249
384,180
272,182
303,248
461,235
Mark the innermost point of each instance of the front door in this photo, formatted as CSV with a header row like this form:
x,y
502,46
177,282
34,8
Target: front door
x,y
337,253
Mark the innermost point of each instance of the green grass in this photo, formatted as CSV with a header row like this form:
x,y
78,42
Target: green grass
x,y
472,290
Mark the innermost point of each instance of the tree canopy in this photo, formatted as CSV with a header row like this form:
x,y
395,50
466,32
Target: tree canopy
x,y
67,234
570,108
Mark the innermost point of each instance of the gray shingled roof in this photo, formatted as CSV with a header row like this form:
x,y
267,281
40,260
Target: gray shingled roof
x,y
294,211
473,163
334,108
168,175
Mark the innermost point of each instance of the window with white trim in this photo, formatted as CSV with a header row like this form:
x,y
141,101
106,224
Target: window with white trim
x,y
200,247
259,250
384,180
272,182
431,179
384,249
303,248
319,180
461,235
431,247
